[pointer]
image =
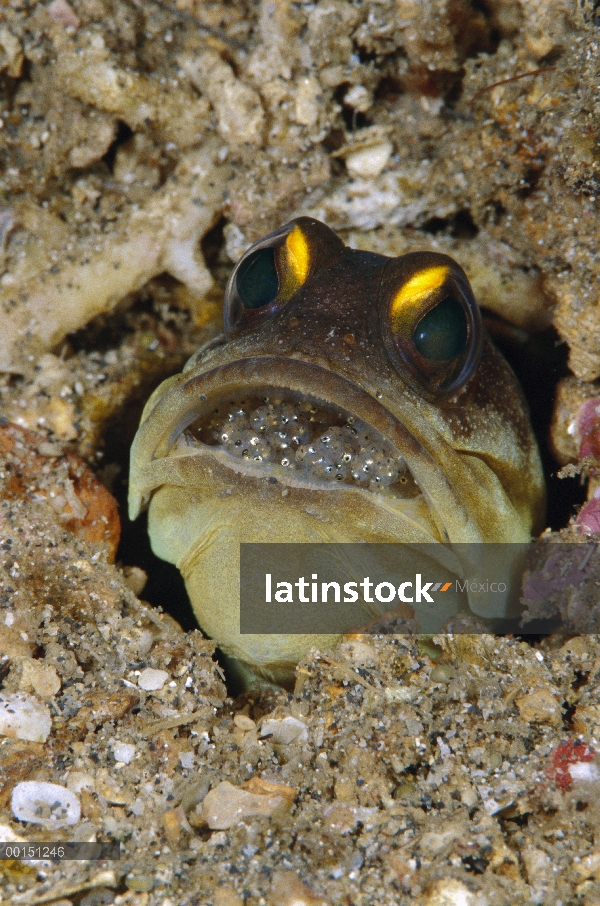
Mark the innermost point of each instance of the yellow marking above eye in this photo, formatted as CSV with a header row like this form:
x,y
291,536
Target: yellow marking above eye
x,y
298,255
415,289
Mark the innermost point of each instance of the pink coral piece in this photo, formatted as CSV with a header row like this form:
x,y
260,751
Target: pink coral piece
x,y
587,426
61,12
557,573
588,519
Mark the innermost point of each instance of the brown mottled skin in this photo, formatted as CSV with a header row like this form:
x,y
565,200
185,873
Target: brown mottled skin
x,y
471,450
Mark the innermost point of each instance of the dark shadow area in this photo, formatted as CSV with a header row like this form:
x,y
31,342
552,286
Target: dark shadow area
x,y
460,225
124,133
540,363
165,587
212,243
353,119
164,357
389,89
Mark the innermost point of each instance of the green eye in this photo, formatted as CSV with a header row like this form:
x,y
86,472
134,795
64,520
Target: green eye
x,y
257,282
442,333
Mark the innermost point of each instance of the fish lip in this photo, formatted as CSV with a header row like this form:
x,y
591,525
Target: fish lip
x,y
193,396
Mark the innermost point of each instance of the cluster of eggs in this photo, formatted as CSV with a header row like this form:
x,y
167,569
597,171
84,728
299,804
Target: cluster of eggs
x,y
319,443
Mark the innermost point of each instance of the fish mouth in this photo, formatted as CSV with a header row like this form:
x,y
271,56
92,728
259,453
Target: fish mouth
x,y
190,417
290,435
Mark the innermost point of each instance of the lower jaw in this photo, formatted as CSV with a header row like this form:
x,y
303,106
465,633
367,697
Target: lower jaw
x,y
201,533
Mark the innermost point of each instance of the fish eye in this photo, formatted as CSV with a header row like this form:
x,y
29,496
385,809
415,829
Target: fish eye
x,y
441,334
256,281
268,275
431,324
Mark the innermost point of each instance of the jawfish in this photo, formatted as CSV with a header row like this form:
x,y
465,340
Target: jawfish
x,y
351,397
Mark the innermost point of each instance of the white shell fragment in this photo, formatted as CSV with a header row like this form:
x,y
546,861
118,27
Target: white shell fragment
x,y
45,803
24,717
152,680
286,731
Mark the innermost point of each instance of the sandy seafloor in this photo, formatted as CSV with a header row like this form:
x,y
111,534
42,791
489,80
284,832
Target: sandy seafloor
x,y
143,147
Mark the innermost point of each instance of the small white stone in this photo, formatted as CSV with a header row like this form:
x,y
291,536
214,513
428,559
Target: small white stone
x,y
187,760
584,771
308,92
244,723
358,98
450,892
138,807
367,163
286,731
7,835
151,680
24,717
123,751
45,803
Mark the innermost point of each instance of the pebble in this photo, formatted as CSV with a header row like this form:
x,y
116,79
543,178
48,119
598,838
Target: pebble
x,y
24,717
368,163
308,92
588,867
139,883
35,677
288,889
343,818
152,680
359,652
450,892
244,723
79,780
187,760
442,674
226,805
286,731
225,896
38,802
540,705
100,897
135,579
61,12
